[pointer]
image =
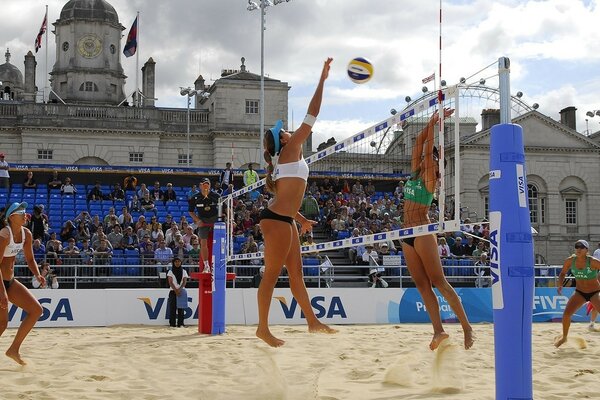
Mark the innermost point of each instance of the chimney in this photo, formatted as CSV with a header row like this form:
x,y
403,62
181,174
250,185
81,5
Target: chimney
x,y
29,92
489,118
200,87
567,117
148,77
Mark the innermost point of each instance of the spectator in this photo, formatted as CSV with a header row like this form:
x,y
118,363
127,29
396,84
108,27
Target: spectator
x,y
217,189
125,219
163,254
38,223
95,194
53,249
130,240
204,209
169,194
102,253
147,255
480,249
142,191
227,190
49,275
86,253
155,229
443,248
470,246
107,217
482,270
147,205
130,183
180,251
310,207
68,231
250,175
258,277
369,189
189,234
171,233
134,204
67,188
83,232
177,278
355,253
596,254
166,225
115,237
4,175
156,193
29,181
39,251
84,217
100,237
117,193
71,253
145,241
192,192
370,257
54,182
194,251
458,249
227,176
95,236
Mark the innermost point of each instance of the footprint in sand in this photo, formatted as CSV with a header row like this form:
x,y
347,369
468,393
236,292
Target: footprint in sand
x,y
356,375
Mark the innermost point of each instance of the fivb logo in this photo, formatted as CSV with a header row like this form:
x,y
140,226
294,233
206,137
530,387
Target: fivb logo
x,y
323,308
154,311
497,297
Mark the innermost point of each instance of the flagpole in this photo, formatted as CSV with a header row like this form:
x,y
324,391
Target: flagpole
x,y
46,64
137,63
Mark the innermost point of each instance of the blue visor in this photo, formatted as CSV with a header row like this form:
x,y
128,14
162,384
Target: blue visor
x,y
275,130
14,207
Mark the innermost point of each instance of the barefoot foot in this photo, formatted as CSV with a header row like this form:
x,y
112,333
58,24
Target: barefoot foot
x,y
559,340
15,356
266,336
319,327
469,339
438,338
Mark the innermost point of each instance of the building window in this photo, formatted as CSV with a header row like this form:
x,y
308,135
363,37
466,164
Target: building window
x,y
486,206
533,204
136,157
252,106
88,87
44,154
182,159
571,211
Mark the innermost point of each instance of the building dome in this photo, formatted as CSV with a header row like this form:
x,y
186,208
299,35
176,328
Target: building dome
x,y
96,10
9,74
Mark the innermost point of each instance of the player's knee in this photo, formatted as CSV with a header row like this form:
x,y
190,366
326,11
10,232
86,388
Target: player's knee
x,y
36,311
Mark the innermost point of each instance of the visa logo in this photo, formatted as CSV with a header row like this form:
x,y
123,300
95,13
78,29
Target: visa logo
x,y
321,307
62,310
155,311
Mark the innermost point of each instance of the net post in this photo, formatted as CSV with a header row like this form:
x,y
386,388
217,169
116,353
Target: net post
x,y
504,80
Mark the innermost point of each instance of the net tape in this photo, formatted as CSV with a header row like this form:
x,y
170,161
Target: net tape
x,y
393,120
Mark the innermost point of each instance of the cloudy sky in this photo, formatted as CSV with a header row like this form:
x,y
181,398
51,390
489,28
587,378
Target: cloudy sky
x,y
554,47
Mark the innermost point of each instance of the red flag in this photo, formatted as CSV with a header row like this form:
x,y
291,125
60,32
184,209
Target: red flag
x,y
38,39
429,78
131,43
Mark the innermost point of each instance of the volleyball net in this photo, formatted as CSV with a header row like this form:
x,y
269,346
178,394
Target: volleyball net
x,y
361,177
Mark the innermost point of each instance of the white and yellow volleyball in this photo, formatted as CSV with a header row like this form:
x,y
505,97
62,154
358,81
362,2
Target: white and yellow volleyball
x,y
360,70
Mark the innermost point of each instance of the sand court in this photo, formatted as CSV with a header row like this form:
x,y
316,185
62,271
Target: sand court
x,y
360,362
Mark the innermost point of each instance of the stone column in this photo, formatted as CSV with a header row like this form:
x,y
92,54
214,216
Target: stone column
x,y
148,78
29,92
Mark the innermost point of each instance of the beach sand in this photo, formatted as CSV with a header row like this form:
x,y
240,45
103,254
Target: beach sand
x,y
360,362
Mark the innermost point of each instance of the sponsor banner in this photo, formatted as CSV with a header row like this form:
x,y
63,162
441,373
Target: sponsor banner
x,y
105,307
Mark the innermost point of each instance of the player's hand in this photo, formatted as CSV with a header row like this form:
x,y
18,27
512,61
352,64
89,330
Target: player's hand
x,y
326,66
307,226
41,280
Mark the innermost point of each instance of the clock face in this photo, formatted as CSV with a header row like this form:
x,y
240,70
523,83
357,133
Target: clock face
x,y
89,46
65,46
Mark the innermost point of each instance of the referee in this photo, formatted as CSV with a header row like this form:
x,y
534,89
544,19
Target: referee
x,y
204,210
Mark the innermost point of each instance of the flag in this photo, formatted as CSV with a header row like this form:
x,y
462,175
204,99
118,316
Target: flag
x,y
38,39
429,78
131,44
325,265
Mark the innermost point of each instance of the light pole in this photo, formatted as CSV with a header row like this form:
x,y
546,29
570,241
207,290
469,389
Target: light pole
x,y
591,114
262,6
189,92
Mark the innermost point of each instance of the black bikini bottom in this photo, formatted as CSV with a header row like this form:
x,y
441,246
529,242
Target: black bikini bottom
x,y
268,214
586,296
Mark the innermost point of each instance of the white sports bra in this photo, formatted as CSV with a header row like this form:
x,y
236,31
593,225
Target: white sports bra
x,y
296,169
12,248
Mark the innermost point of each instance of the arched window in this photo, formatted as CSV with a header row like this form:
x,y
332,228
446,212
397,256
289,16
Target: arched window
x,y
534,203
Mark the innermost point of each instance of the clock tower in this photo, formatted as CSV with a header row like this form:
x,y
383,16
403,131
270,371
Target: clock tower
x,y
88,54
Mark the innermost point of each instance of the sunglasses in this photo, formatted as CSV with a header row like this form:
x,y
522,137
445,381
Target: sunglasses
x,y
580,246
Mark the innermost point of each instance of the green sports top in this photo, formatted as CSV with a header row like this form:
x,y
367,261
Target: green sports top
x,y
415,190
586,273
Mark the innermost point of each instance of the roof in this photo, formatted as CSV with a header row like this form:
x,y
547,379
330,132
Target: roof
x,y
247,76
98,10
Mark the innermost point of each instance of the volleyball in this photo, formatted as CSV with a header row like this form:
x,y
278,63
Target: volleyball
x,y
360,70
